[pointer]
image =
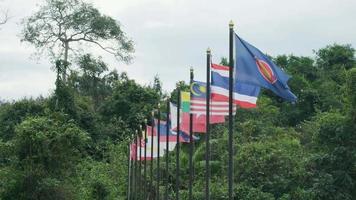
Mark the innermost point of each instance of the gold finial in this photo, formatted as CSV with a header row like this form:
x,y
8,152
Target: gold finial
x,y
153,113
191,70
208,51
231,24
145,120
136,131
159,105
140,126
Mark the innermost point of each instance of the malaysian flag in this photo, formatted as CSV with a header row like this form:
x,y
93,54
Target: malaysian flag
x,y
244,95
198,101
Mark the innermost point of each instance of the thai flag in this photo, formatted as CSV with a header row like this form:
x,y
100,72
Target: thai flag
x,y
244,95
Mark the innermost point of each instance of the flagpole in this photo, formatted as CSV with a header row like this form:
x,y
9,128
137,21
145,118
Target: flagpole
x,y
231,85
145,163
128,173
132,170
191,145
151,163
158,148
167,148
136,167
139,162
207,149
178,145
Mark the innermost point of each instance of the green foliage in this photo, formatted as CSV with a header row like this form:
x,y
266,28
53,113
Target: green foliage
x,y
73,145
335,56
46,150
11,114
130,101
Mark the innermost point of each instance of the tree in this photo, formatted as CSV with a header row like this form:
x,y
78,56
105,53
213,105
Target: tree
x,y
61,26
335,55
90,81
157,85
47,151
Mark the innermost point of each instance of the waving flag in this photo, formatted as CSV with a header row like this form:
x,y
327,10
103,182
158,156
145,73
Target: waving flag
x,y
149,147
244,95
199,121
172,136
254,67
198,102
133,151
185,101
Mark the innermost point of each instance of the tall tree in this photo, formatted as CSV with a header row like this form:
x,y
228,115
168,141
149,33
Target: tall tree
x,y
61,26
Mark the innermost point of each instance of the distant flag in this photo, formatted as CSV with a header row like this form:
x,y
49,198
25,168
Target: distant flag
x,y
148,142
172,137
254,67
198,102
199,120
198,126
133,152
185,101
245,95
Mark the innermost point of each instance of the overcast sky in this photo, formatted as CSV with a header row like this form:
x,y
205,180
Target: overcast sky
x,y
172,35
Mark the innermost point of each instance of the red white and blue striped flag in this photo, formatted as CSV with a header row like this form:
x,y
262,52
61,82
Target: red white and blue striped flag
x,y
244,95
198,102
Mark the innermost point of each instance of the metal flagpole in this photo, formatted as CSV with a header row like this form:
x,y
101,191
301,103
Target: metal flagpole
x,y
178,145
231,85
139,162
191,144
136,167
158,148
145,163
207,137
128,173
167,148
132,195
151,163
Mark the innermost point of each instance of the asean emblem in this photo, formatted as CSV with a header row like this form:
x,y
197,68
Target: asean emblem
x,y
266,71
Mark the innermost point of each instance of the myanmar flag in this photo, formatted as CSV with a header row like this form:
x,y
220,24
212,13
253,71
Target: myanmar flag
x,y
185,98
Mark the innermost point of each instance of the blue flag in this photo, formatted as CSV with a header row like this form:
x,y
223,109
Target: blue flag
x,y
256,68
172,135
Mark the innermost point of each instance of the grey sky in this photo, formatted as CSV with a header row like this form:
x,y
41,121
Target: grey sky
x,y
172,35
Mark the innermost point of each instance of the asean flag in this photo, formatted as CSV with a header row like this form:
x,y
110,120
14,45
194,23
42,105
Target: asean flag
x,y
254,67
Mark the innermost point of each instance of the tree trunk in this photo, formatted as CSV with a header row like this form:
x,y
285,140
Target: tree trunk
x,y
65,64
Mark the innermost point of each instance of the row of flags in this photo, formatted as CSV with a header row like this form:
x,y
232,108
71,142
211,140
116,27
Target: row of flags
x,y
151,142
245,95
252,71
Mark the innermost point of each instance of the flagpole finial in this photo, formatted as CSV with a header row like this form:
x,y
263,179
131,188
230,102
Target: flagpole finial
x,y
153,113
191,70
208,51
231,24
159,105
140,126
145,120
136,131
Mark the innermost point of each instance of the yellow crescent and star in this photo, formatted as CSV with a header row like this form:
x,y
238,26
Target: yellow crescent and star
x,y
201,88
